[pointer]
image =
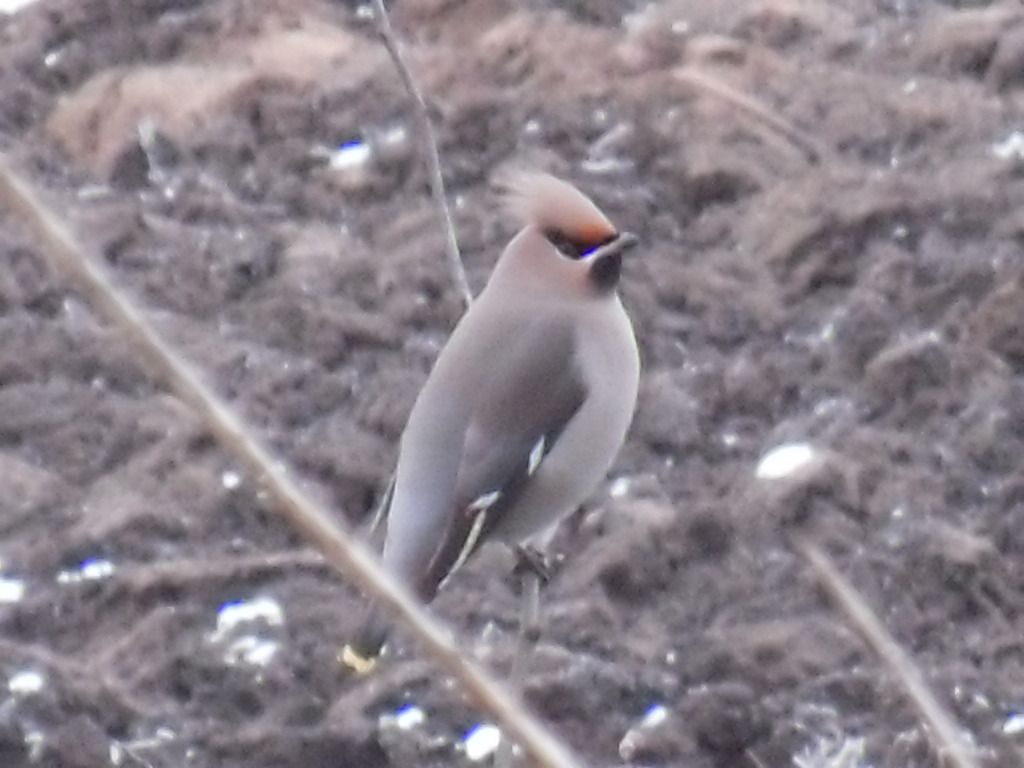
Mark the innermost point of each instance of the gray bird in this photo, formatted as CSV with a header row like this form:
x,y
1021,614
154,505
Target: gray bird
x,y
528,403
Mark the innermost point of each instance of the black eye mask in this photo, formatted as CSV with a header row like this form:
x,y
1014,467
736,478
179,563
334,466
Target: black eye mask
x,y
574,249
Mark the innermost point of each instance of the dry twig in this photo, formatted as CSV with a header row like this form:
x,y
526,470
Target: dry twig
x,y
942,728
705,83
428,148
529,630
139,578
83,679
309,518
159,622
401,676
531,584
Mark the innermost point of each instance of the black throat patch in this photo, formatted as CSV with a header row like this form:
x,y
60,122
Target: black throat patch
x,y
605,272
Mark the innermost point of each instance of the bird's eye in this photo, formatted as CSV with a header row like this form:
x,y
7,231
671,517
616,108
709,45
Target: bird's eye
x,y
565,245
573,249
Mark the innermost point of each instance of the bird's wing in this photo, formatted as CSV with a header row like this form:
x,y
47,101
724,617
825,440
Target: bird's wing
x,y
531,395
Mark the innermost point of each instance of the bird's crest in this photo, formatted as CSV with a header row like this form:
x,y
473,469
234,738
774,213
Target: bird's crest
x,y
554,206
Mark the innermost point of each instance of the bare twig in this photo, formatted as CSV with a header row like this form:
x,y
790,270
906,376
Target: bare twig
x,y
309,518
84,679
428,148
942,728
705,83
159,623
529,629
400,676
137,578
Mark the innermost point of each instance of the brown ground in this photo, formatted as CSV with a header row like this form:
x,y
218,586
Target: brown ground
x,y
861,288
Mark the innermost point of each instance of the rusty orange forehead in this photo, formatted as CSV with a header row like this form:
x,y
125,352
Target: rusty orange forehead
x,y
593,232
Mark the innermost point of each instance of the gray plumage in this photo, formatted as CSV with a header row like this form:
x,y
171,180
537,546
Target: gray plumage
x,y
527,404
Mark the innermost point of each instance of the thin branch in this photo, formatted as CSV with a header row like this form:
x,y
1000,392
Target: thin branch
x,y
82,679
114,653
401,676
705,83
942,728
309,518
529,630
428,148
186,572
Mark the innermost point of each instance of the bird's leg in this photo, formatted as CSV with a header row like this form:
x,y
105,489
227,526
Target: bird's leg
x,y
532,568
532,559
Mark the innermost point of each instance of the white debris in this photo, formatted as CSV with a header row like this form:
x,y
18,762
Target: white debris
x,y
785,460
393,143
11,7
230,479
233,614
36,743
26,682
350,167
92,569
1014,725
122,751
352,156
481,741
11,590
831,405
655,715
620,487
847,752
1011,148
405,718
251,650
599,166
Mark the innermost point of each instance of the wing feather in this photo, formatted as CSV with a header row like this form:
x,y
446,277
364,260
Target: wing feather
x,y
531,396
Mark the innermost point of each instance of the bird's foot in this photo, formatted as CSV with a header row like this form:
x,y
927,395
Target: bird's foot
x,y
529,559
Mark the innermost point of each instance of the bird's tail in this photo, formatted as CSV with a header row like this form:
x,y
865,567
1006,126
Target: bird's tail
x,y
360,655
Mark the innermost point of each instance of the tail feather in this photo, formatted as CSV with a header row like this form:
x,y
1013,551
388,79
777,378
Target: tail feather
x,y
366,645
361,653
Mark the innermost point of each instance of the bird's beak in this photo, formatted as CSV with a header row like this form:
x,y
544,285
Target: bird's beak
x,y
625,241
622,242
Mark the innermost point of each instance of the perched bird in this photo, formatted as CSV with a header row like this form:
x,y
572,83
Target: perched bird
x,y
527,404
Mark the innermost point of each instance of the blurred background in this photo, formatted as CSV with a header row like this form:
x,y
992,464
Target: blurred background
x,y
830,195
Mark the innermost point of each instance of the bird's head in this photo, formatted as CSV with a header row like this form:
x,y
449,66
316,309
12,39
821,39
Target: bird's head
x,y
566,237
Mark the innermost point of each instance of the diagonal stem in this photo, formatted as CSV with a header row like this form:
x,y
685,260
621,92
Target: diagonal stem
x,y
428,147
529,632
942,728
309,518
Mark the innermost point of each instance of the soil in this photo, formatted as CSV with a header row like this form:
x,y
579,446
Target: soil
x,y
850,279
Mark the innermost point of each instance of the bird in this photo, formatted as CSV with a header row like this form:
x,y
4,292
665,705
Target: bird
x,y
527,404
